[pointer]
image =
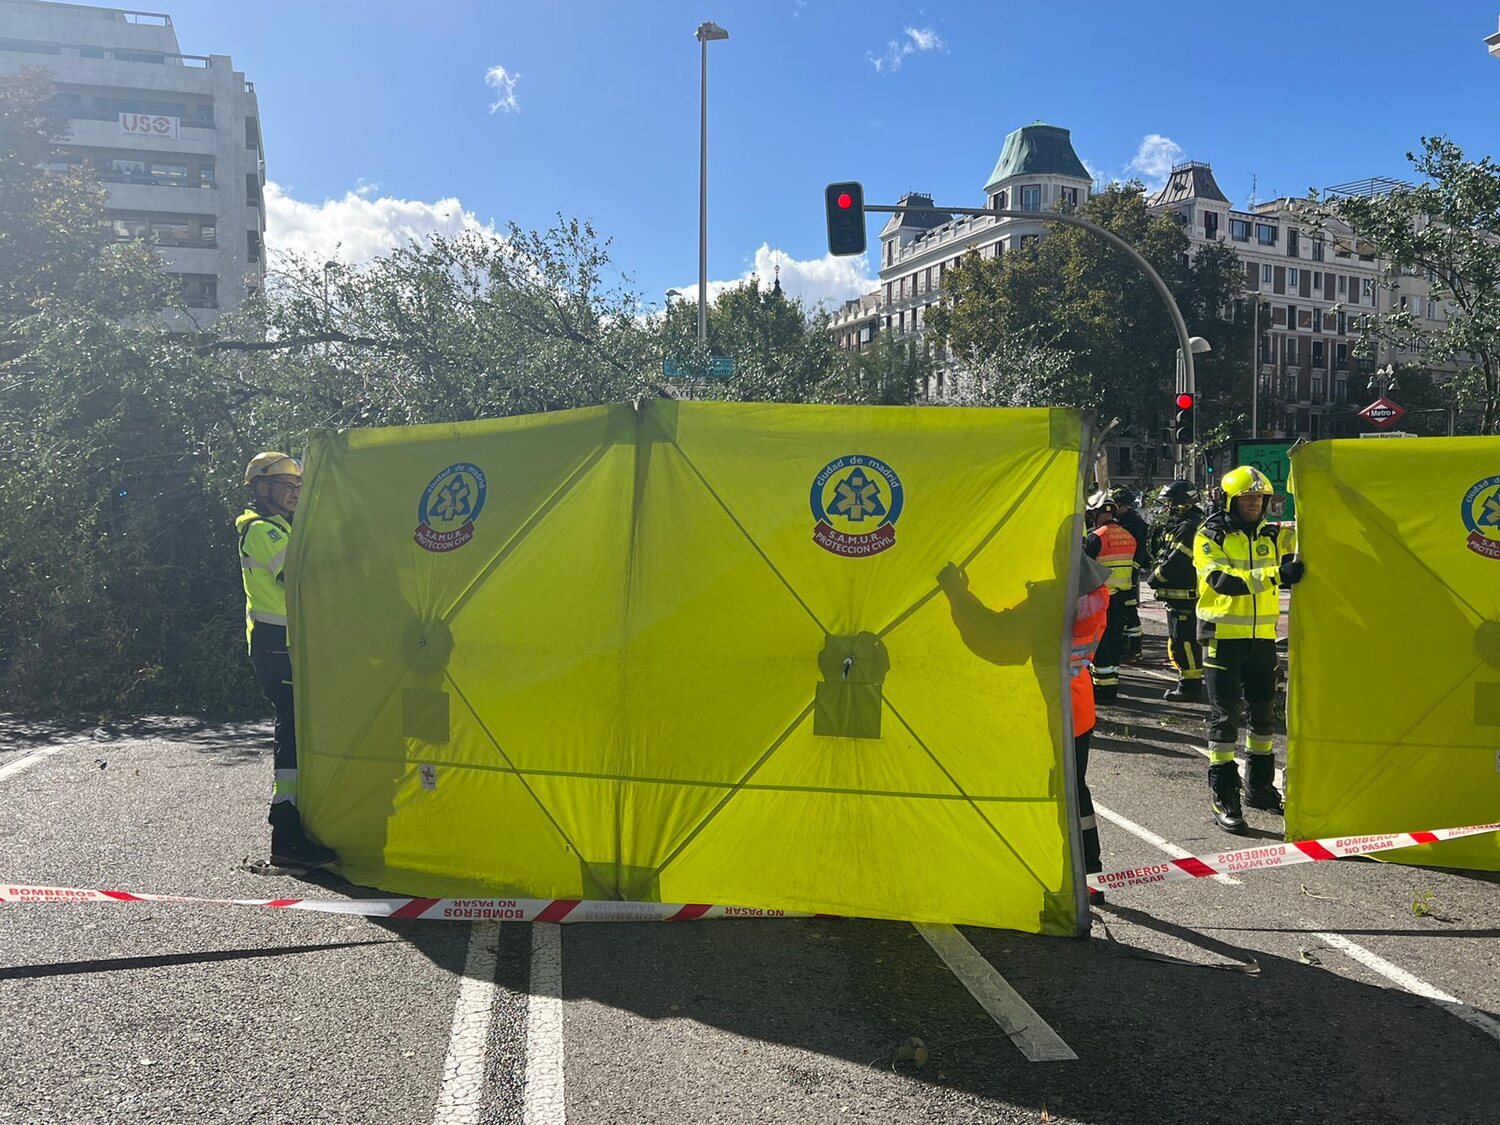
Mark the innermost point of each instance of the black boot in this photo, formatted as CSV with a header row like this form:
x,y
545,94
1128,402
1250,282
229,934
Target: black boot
x,y
290,846
1186,691
1260,784
1224,780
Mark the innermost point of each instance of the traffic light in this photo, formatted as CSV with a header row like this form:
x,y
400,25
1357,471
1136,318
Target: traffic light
x,y
1182,425
846,218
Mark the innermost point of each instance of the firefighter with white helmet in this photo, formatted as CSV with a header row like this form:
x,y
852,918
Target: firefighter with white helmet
x,y
1113,548
1243,560
265,534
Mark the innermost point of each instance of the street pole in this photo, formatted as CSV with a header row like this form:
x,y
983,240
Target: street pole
x,y
707,30
1255,375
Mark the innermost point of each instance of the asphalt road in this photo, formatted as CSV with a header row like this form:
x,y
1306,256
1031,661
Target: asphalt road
x,y
1290,996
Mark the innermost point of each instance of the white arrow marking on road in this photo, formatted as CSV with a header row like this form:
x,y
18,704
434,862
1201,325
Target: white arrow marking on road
x,y
545,1104
1018,1019
461,1098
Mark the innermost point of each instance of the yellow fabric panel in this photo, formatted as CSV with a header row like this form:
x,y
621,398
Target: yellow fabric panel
x,y
1395,644
632,635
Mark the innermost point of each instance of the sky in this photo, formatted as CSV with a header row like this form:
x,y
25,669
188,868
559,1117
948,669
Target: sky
x,y
384,121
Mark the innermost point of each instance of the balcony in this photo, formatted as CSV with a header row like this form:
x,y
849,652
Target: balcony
x,y
161,198
92,132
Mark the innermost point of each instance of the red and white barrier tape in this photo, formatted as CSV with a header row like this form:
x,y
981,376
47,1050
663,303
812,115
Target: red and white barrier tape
x,y
433,909
598,910
1273,855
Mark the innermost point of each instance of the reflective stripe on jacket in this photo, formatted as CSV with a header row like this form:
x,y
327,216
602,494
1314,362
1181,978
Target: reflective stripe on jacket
x,y
1176,575
1114,548
263,545
1089,618
1237,580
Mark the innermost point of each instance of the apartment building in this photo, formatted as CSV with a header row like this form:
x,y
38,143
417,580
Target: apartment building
x,y
175,138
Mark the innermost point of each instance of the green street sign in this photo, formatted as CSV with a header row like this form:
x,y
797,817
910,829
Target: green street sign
x,y
1270,457
719,367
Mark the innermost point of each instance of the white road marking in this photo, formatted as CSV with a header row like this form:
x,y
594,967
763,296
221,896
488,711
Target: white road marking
x,y
1413,984
1156,841
1394,973
544,1029
26,761
461,1097
1027,1030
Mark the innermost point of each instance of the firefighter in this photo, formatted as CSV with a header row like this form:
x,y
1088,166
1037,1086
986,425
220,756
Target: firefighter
x,y
1114,548
265,533
1175,581
1131,521
1243,561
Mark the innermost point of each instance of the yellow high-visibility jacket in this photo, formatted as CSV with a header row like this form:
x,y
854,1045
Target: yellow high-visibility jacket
x,y
1237,577
263,545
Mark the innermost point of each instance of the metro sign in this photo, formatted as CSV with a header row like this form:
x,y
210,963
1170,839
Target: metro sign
x,y
1382,412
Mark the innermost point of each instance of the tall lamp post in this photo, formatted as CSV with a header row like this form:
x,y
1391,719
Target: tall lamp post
x,y
708,31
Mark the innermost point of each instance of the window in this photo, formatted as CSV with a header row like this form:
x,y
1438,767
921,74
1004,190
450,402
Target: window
x,y
208,232
1031,198
1210,225
1291,243
126,229
1291,349
888,247
1317,283
1341,390
170,232
1342,326
890,292
1293,277
1267,353
252,189
1000,201
1343,286
1317,320
1317,249
171,175
252,245
1265,234
252,133
1291,316
1367,290
206,176
1317,386
1239,230
1341,357
1318,359
1265,275
1069,196
1028,240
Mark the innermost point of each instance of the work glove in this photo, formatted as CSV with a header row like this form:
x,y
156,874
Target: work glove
x,y
1291,572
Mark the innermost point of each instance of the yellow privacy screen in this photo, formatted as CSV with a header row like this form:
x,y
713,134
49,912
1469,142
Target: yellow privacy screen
x,y
1394,719
697,652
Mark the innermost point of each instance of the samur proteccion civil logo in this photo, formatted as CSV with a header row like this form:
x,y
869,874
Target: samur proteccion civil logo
x,y
856,501
449,507
1481,512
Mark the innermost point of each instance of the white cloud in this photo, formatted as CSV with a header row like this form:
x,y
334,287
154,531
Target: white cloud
x,y
1154,160
826,280
912,40
504,84
359,227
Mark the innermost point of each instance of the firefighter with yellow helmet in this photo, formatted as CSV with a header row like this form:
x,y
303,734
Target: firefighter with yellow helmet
x,y
1243,561
265,534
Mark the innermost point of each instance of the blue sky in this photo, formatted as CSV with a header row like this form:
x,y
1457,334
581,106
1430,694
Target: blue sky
x,y
378,119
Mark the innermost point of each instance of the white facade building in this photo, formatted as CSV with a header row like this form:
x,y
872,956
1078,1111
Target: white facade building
x,y
175,139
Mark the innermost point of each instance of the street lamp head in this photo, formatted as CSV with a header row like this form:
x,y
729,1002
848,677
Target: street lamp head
x,y
1199,345
708,31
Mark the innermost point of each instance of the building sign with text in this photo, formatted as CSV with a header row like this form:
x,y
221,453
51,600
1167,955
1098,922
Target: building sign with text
x,y
150,125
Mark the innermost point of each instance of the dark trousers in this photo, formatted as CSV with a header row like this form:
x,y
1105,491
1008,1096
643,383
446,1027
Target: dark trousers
x,y
1111,648
273,670
1183,648
1240,673
1133,632
1086,803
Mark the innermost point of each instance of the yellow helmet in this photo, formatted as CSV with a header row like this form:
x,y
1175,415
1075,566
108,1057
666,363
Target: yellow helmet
x,y
272,464
1245,481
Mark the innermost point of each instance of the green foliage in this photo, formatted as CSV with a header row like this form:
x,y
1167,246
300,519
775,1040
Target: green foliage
x,y
1073,321
1447,228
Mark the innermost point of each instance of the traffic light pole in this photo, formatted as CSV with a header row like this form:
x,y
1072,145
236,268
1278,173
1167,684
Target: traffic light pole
x,y
1109,236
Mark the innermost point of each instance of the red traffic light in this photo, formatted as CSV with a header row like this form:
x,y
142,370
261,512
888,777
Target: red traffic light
x,y
846,201
1184,401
